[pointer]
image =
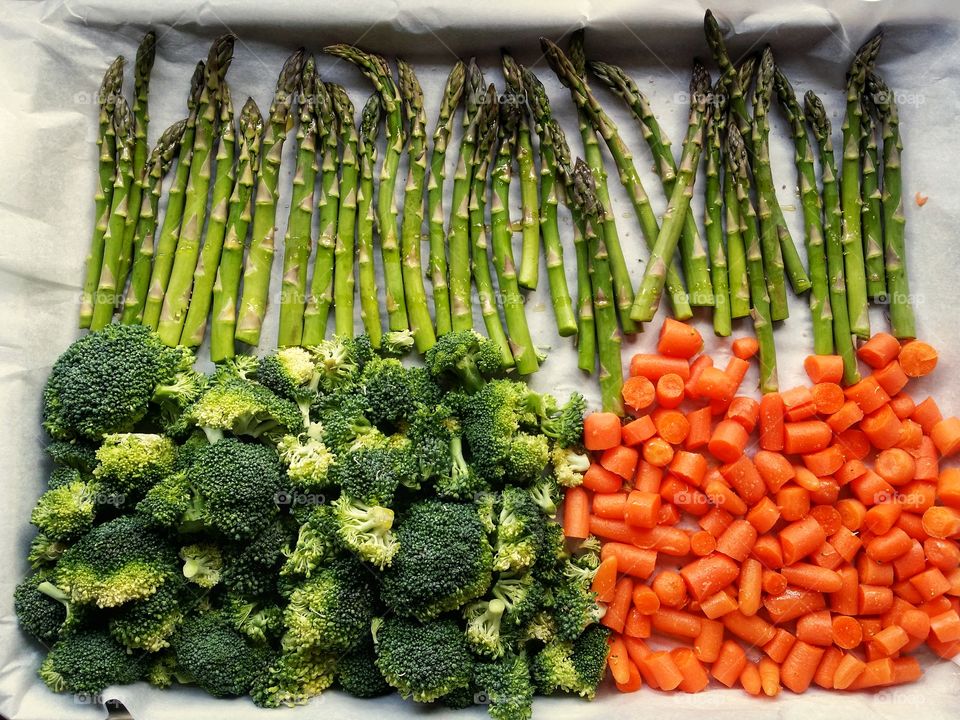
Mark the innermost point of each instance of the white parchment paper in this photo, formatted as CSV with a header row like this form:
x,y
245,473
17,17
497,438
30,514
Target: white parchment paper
x,y
52,58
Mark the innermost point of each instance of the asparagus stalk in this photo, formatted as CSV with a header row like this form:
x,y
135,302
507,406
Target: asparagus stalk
x,y
602,123
771,214
146,54
539,105
377,71
820,305
298,241
256,273
524,353
736,250
654,276
366,273
177,298
106,170
529,272
692,252
108,287
850,200
623,285
226,288
713,215
586,325
412,226
320,297
902,321
486,133
195,324
734,80
608,332
173,215
452,93
158,164
343,281
872,211
842,335
759,299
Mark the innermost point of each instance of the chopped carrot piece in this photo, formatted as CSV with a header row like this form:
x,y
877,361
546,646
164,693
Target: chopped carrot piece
x,y
620,460
745,347
879,350
638,393
917,358
824,368
670,390
946,436
601,430
677,339
653,367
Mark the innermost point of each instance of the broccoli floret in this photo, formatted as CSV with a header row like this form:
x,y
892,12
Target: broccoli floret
x,y
86,662
569,465
172,399
76,454
394,392
132,462
553,553
332,610
291,373
39,614
170,503
374,466
573,603
396,343
251,568
316,543
546,494
361,350
461,482
293,678
336,363
45,551
572,666
242,407
105,381
259,620
116,562
148,624
218,658
506,687
66,512
366,530
522,595
343,419
444,560
464,358
484,620
242,366
526,457
163,670
358,674
423,660
62,475
541,627
202,564
562,424
306,458
519,531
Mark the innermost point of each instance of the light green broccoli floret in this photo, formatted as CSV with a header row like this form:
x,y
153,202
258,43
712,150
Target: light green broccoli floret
x,y
66,512
366,530
568,465
306,458
202,563
132,462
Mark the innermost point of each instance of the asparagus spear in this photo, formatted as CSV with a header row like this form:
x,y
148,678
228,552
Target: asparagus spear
x,y
366,274
539,105
146,54
736,250
529,272
377,71
486,132
106,169
458,235
108,287
734,81
195,324
608,332
820,306
524,353
713,214
759,299
343,282
692,252
842,336
902,321
298,241
158,164
654,276
771,215
320,297
256,273
452,93
173,215
623,285
177,298
602,123
412,226
872,211
850,200
226,288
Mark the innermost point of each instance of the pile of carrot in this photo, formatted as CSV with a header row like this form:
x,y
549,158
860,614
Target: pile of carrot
x,y
810,537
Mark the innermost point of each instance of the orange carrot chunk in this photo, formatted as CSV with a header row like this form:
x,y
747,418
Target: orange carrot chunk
x,y
917,358
605,580
946,436
879,350
677,339
601,480
665,670
637,431
633,561
638,393
805,437
601,430
620,460
695,676
670,390
576,513
800,539
800,665
653,367
745,347
771,422
824,368
729,664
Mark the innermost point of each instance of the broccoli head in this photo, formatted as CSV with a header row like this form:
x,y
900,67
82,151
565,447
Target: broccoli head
x,y
343,419
170,503
306,458
316,543
575,666
45,551
443,562
519,531
422,660
464,358
132,462
569,465
522,594
202,564
242,407
366,530
76,454
148,624
66,512
293,678
573,603
484,622
250,568
88,661
62,475
563,424
506,687
358,674
545,492
40,615
374,466
394,392
291,373
337,362
259,620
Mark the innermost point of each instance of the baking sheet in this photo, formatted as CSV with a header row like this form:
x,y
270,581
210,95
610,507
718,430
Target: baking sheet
x,y
52,58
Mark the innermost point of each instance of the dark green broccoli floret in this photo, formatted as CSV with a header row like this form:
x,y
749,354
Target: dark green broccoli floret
x,y
423,660
88,661
545,492
39,614
358,674
522,594
251,568
574,604
66,512
332,610
374,466
431,430
202,564
77,454
62,475
484,627
317,542
444,560
336,363
562,424
366,530
132,462
259,620
121,560
307,459
162,670
148,624
464,358
553,553
394,392
519,531
293,678
526,458
217,657
242,407
572,666
105,381
343,418
291,373
170,503
361,350
505,686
